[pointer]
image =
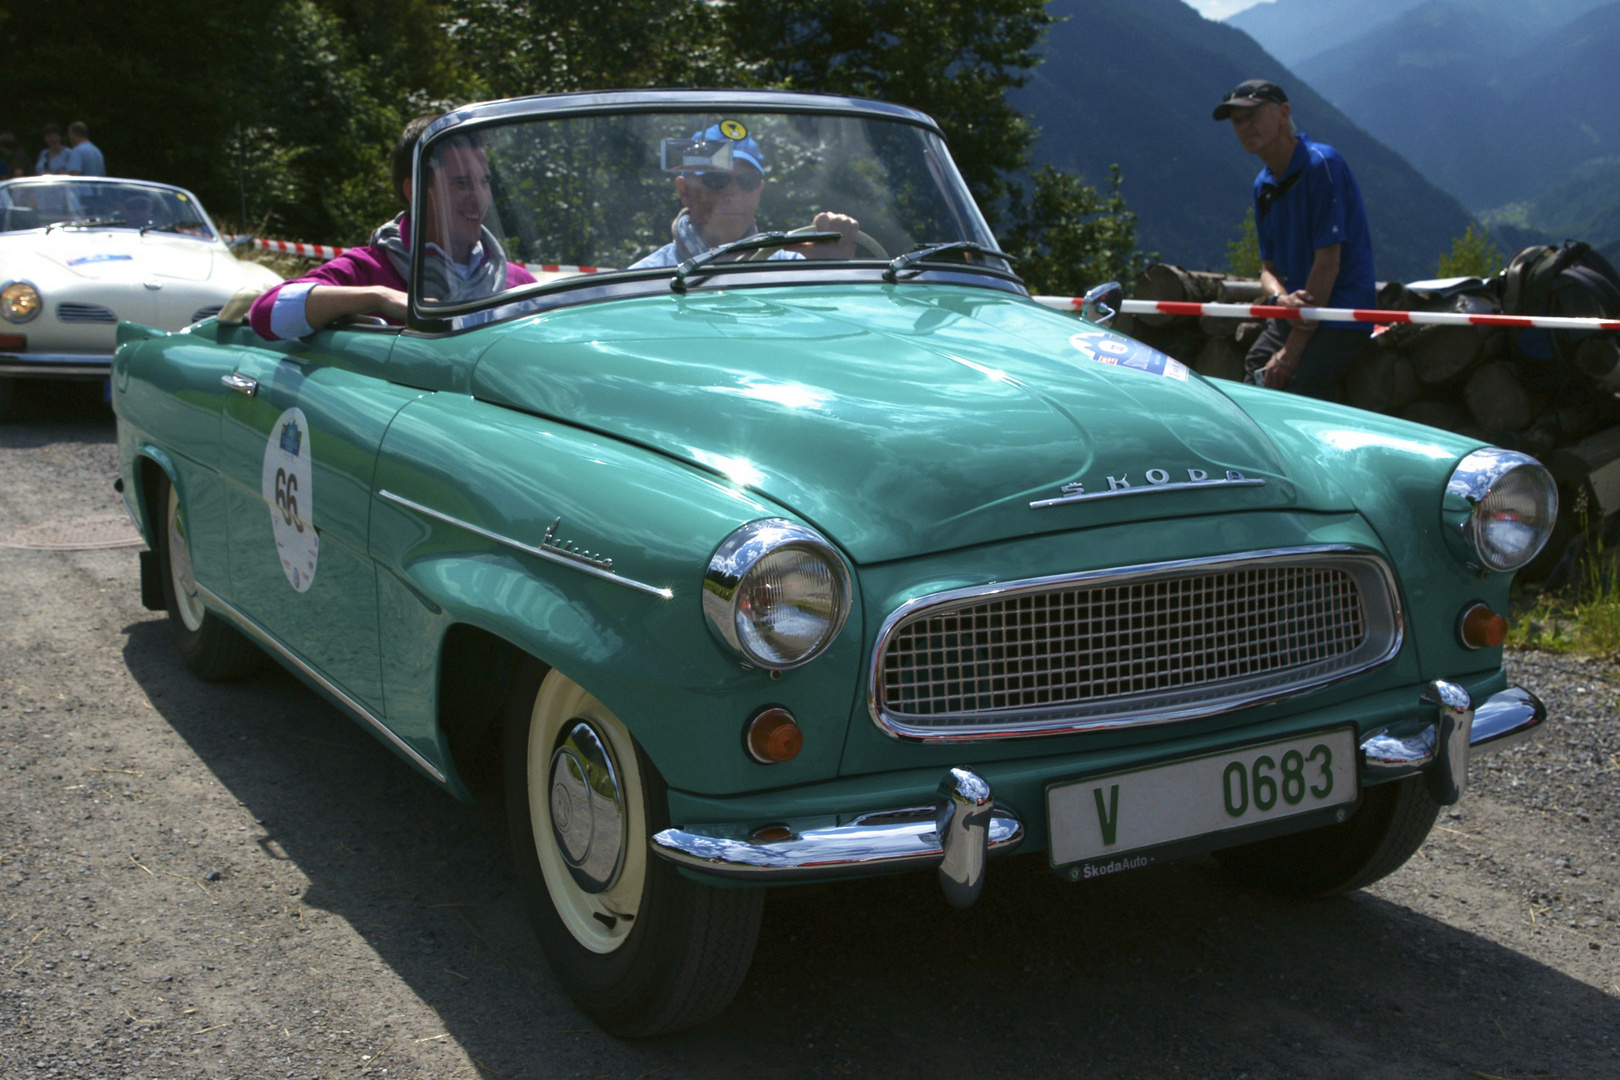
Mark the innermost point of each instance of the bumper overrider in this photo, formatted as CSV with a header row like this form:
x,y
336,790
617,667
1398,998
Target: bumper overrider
x,y
960,831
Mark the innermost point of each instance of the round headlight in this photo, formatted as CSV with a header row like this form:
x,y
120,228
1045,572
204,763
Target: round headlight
x,y
1512,502
19,302
777,593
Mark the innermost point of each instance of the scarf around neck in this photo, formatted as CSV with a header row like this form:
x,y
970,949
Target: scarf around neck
x,y
687,241
440,280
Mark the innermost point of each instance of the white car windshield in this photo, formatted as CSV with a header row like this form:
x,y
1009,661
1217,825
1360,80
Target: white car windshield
x,y
646,191
116,204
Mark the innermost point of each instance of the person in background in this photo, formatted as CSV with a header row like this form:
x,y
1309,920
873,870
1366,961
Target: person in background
x,y
1315,245
89,161
464,261
12,160
55,158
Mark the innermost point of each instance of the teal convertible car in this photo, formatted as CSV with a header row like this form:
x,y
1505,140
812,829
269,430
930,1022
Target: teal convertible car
x,y
774,534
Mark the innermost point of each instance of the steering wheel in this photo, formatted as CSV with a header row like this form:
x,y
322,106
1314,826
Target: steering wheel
x,y
862,240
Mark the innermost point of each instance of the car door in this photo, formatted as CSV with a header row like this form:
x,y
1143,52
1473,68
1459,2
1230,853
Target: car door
x,y
298,446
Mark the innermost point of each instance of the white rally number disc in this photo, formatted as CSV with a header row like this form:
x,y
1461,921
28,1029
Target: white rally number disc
x,y
291,497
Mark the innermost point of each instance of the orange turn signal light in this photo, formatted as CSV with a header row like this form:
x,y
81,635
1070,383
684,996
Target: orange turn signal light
x,y
774,736
1482,628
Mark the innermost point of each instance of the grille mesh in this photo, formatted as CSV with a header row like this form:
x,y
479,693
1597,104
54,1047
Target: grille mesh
x,y
204,313
1158,640
84,313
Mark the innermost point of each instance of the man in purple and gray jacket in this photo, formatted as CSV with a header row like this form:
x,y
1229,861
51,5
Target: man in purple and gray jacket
x,y
464,261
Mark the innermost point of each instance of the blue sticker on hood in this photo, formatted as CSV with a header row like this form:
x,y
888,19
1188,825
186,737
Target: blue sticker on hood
x,y
1106,348
82,259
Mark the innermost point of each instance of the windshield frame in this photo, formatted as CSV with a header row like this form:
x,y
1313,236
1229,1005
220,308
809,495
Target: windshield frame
x,y
438,317
214,236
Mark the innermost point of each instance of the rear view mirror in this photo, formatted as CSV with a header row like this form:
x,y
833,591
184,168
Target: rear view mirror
x,y
1101,302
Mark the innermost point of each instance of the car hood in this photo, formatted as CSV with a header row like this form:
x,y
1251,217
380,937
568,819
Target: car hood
x,y
903,419
119,254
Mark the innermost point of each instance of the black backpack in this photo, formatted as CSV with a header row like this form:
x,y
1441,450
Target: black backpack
x,y
1570,280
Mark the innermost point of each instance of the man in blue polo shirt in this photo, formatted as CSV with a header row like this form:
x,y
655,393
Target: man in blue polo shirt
x,y
1315,247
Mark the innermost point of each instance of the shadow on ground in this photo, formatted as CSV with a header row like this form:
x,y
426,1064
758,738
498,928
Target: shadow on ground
x,y
1172,973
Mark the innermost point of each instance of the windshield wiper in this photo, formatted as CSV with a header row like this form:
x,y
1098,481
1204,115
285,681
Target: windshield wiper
x,y
751,243
901,262
84,223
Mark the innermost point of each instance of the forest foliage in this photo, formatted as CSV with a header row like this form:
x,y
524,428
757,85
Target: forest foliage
x,y
281,114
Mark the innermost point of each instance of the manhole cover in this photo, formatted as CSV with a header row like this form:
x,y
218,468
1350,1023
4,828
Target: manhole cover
x,y
77,534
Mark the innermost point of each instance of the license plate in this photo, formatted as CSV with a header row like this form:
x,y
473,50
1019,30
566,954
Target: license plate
x,y
1104,816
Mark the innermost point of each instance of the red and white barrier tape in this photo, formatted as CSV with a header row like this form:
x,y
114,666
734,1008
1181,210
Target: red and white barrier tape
x,y
1268,311
322,251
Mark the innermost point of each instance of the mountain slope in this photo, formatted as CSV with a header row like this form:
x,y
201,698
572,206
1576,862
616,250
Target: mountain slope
x,y
1291,30
1493,100
1134,84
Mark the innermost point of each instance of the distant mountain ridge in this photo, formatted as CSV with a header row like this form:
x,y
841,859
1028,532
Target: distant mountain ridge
x,y
1493,100
1292,30
1134,83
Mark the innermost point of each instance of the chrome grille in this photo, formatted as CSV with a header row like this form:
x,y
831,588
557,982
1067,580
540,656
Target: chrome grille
x,y
84,313
1138,645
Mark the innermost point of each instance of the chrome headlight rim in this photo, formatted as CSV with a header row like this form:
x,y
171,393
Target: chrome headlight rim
x,y
8,302
1476,478
743,550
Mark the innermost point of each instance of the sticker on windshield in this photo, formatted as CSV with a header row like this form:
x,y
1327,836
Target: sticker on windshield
x,y
733,129
288,492
82,259
1106,348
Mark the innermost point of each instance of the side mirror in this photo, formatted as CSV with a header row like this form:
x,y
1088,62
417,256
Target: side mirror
x,y
1101,302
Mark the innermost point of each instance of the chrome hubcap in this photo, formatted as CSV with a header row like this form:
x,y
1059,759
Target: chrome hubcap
x,y
185,583
587,808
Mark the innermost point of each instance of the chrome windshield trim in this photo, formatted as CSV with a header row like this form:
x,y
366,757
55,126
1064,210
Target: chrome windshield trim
x,y
550,550
264,637
1061,720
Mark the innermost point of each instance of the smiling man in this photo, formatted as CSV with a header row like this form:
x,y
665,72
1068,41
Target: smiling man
x,y
463,259
719,205
1315,246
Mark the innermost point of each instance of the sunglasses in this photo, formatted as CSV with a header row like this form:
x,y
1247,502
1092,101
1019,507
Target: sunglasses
x,y
748,180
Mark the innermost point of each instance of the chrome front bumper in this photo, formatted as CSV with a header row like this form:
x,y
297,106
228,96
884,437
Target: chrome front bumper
x,y
960,831
55,365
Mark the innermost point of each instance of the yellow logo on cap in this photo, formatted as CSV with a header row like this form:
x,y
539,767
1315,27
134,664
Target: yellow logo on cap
x,y
733,129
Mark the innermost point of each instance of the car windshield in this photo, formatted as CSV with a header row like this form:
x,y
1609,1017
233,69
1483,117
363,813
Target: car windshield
x,y
573,197
49,204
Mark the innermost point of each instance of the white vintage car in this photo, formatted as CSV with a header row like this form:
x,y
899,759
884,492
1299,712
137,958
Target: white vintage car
x,y
80,254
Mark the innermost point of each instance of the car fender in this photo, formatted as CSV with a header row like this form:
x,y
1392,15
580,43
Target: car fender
x,y
589,554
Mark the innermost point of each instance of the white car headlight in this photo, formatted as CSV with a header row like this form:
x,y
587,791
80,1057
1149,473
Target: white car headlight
x,y
777,593
19,302
1512,504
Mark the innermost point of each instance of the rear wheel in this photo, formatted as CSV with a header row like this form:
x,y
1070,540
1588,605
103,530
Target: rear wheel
x,y
640,948
209,647
1392,823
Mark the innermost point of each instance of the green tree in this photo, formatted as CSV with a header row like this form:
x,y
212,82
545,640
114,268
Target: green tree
x,y
1243,251
1068,236
1473,254
953,59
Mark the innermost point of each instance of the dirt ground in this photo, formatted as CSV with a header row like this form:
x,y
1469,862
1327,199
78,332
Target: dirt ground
x,y
207,881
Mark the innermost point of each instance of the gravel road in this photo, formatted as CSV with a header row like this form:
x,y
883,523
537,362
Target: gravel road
x,y
206,881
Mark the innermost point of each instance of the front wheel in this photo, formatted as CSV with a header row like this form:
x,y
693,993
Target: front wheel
x,y
1392,823
640,948
209,647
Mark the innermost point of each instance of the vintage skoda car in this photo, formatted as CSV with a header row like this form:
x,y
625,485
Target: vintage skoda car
x,y
78,254
827,553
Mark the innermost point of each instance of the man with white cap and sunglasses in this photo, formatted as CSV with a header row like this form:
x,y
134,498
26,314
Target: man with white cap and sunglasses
x,y
719,196
1315,246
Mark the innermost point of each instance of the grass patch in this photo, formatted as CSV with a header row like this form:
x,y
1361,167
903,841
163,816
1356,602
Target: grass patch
x,y
1585,618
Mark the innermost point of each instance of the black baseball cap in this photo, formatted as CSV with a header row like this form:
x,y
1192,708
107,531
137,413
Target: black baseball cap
x,y
1249,93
